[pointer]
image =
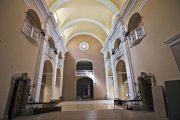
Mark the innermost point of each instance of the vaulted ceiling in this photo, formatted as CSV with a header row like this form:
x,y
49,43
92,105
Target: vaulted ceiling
x,y
84,17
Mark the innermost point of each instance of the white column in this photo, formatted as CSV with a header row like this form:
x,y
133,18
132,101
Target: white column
x,y
61,82
116,92
40,72
106,73
129,71
54,75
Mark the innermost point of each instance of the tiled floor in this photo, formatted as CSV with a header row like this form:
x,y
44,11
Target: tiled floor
x,y
88,105
94,110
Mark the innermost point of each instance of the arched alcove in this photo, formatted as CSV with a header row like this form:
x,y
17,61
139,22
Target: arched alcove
x,y
117,44
58,79
110,83
46,86
134,22
136,30
60,56
84,88
51,43
33,19
122,80
84,65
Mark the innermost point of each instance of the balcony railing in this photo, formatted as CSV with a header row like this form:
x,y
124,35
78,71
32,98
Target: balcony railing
x,y
118,52
32,33
136,35
84,72
50,52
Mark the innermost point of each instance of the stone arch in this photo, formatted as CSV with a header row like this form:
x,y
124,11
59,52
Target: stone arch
x,y
60,56
122,80
33,19
84,88
134,22
51,43
46,85
84,65
117,43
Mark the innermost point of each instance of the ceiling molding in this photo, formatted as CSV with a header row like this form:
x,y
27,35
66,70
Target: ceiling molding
x,y
58,3
84,33
72,22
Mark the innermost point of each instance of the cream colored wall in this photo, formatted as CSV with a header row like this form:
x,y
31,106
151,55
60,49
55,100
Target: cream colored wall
x,y
58,79
18,54
48,89
161,21
74,54
120,87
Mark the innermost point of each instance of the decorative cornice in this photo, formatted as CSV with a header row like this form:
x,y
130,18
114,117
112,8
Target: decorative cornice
x,y
42,8
129,4
173,41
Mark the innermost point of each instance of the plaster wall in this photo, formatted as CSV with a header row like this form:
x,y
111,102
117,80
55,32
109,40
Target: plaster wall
x,y
161,22
74,54
18,54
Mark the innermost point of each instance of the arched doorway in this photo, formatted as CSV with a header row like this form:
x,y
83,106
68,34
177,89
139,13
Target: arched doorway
x,y
46,85
32,18
51,43
84,68
122,80
110,83
58,79
84,88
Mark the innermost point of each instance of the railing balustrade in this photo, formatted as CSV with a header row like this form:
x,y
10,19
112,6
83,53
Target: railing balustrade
x,y
32,32
84,72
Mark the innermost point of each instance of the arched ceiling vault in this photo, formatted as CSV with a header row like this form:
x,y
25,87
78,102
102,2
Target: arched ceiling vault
x,y
84,17
84,20
84,33
58,3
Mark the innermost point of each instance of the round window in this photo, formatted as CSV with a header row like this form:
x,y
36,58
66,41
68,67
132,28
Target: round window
x,y
83,45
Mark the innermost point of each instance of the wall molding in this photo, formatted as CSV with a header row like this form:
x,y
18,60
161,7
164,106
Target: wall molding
x,y
173,41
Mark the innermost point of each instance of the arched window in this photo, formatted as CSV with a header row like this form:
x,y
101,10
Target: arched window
x,y
116,46
60,56
135,29
52,51
32,27
84,68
